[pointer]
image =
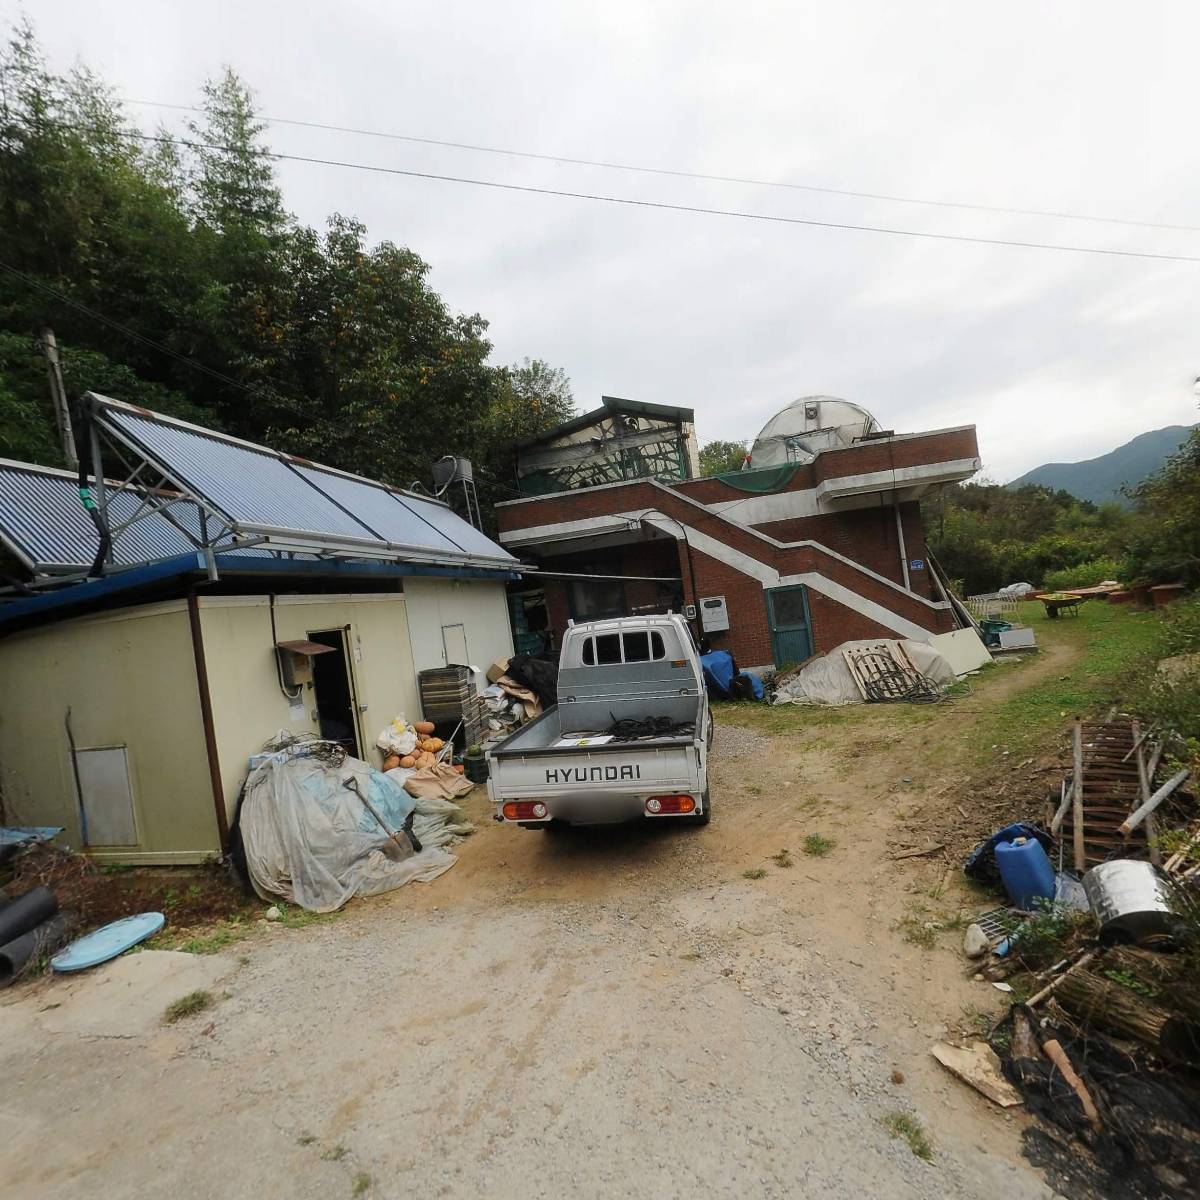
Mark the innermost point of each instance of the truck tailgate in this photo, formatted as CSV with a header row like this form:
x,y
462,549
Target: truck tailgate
x,y
633,769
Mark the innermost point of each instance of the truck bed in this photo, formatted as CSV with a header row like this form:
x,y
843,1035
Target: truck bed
x,y
540,735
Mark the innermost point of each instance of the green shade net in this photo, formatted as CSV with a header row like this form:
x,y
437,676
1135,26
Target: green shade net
x,y
764,479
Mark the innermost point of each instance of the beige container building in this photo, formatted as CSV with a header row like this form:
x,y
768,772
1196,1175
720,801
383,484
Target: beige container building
x,y
165,702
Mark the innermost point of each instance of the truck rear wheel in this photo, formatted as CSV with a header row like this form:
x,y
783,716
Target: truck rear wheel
x,y
702,818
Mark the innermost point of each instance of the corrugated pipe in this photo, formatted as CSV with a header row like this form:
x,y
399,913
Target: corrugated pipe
x,y
25,950
34,907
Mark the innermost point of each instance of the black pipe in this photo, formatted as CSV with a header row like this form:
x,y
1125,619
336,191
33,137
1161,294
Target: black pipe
x,y
42,939
25,912
84,426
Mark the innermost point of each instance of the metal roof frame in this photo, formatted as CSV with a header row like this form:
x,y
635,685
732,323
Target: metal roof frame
x,y
109,431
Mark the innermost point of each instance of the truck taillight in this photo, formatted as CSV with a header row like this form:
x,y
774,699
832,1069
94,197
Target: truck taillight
x,y
666,806
525,810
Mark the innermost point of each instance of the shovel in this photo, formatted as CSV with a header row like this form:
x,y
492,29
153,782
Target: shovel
x,y
351,784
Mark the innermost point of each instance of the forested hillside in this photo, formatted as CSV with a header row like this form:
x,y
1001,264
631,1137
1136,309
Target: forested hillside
x,y
986,535
1104,478
173,276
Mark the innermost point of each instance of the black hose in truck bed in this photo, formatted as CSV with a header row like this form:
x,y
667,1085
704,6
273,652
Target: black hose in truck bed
x,y
34,907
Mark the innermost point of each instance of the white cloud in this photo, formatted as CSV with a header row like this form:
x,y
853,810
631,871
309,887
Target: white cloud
x,y
1082,106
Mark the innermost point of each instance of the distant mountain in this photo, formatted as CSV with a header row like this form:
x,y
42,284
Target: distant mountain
x,y
1101,479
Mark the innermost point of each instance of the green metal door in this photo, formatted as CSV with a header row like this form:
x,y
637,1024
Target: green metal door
x,y
790,625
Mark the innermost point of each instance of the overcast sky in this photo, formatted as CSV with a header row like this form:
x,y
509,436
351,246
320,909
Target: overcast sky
x,y
1082,107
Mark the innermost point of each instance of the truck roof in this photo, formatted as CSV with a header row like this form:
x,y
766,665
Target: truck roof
x,y
615,624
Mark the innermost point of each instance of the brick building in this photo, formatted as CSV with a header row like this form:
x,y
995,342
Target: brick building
x,y
825,546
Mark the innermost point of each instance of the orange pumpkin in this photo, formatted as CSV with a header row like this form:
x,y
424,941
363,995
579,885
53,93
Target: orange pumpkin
x,y
409,760
391,762
424,761
423,727
459,768
435,744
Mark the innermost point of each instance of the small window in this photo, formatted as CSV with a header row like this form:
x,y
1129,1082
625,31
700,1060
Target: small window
x,y
608,649
637,647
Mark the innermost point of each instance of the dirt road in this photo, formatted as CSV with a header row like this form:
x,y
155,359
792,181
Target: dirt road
x,y
606,1013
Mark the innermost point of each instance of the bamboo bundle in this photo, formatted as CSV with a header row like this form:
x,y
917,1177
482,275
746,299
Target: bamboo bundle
x,y
1112,1006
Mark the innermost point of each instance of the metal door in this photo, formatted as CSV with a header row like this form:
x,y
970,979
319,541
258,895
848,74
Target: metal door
x,y
337,707
105,796
790,624
454,645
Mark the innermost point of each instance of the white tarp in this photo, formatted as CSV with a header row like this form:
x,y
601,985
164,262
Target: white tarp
x,y
312,841
827,679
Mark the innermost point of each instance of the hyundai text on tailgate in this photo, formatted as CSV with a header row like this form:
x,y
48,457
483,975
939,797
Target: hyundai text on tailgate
x,y
628,737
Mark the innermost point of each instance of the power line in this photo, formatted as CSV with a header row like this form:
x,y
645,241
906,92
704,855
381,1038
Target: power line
x,y
62,296
663,205
678,174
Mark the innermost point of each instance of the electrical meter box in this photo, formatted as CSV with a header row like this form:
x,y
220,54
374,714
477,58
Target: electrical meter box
x,y
295,661
714,615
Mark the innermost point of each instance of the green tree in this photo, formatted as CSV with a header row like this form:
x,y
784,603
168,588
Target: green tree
x,y
719,457
174,277
1165,543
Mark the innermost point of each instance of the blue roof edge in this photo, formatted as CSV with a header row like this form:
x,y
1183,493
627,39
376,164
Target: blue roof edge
x,y
77,595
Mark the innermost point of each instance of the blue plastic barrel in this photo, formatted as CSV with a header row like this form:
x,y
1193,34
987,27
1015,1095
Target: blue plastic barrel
x,y
1026,872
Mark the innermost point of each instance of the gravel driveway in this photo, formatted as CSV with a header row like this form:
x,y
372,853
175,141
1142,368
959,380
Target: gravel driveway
x,y
607,1013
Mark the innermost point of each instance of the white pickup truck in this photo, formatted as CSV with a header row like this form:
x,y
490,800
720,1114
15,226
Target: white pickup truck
x,y
628,738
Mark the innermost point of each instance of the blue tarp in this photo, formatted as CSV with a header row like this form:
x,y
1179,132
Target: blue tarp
x,y
719,675
718,672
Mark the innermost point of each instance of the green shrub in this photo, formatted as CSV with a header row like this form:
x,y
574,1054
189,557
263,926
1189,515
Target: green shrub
x,y
1085,574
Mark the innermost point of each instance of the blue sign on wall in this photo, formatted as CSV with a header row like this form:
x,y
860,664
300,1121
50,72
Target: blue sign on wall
x,y
916,564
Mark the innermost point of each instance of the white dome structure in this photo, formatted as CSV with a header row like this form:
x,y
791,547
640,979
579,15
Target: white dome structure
x,y
807,426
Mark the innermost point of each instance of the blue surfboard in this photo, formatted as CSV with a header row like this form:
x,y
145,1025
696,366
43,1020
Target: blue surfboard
x,y
107,942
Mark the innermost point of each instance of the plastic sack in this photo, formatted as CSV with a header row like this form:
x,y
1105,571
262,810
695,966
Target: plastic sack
x,y
310,840
398,738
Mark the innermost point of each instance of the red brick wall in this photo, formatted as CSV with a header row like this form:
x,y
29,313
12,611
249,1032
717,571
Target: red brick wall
x,y
862,459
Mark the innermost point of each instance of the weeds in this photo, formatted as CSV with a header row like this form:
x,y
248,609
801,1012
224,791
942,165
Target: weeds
x,y
918,932
212,943
755,873
818,846
783,858
293,917
334,1153
187,1006
908,1128
306,1139
362,1184
1042,939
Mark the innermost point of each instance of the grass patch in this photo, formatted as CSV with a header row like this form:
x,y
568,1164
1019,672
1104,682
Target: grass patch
x,y
783,858
1114,642
755,873
362,1184
188,1006
293,917
213,943
334,1153
908,1128
306,1139
918,932
818,846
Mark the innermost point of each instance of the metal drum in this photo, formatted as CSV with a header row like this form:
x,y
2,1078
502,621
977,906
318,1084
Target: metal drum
x,y
1131,900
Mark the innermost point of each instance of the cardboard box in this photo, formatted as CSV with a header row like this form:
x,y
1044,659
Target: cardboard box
x,y
498,668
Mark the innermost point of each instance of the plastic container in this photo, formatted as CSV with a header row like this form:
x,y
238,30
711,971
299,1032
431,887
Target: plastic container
x,y
1026,871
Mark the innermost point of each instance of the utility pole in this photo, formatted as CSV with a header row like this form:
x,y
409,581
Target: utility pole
x,y
58,394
